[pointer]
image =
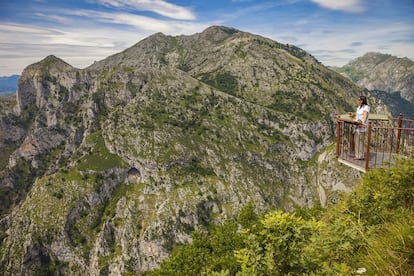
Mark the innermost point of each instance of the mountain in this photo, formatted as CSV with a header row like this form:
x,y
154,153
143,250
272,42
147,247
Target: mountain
x,y
109,167
8,84
391,78
395,103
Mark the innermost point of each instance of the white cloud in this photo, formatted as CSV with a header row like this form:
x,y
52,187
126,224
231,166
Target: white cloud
x,y
137,21
132,23
79,37
336,49
13,62
22,45
10,28
158,6
342,5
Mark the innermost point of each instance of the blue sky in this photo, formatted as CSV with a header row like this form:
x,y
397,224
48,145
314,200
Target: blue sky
x,y
81,32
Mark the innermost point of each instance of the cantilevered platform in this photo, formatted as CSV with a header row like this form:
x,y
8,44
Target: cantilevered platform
x,y
385,140
375,160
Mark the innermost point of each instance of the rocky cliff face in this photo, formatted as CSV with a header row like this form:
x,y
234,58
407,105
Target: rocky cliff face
x,y
391,78
12,131
122,160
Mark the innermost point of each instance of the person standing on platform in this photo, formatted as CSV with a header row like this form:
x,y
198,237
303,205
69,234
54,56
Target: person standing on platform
x,y
361,117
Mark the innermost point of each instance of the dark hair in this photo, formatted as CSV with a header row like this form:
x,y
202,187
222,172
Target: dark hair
x,y
364,100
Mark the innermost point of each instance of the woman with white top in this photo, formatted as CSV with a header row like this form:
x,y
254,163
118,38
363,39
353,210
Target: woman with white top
x,y
361,116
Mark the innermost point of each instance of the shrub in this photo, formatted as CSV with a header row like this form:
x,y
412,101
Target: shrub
x,y
277,246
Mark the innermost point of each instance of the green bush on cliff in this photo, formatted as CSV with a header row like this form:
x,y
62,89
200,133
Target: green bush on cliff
x,y
371,230
208,252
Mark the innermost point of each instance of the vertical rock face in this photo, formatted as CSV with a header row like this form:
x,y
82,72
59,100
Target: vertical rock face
x,y
39,81
26,94
11,132
120,161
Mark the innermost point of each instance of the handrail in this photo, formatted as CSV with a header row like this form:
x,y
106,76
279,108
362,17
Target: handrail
x,y
368,147
384,140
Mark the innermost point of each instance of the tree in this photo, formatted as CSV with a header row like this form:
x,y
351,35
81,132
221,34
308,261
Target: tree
x,y
209,253
277,246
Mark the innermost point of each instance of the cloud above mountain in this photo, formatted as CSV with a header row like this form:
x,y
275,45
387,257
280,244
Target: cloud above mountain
x,y
157,6
83,31
347,6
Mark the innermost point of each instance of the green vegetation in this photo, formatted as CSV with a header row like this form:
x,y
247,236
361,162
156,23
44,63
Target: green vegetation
x,y
223,81
353,73
73,116
209,252
99,100
99,157
24,176
369,231
5,153
90,220
120,191
308,109
184,67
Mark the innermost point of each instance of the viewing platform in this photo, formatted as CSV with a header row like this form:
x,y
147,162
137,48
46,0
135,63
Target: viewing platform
x,y
385,140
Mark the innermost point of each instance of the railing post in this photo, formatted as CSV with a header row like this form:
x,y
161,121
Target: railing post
x,y
338,137
399,132
368,146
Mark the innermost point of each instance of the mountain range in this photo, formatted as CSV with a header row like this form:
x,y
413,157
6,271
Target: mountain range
x,y
104,170
8,83
388,77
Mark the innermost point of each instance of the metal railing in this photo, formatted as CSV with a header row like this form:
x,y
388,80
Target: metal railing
x,y
382,141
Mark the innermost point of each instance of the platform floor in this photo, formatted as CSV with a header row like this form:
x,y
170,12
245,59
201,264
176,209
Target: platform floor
x,y
376,160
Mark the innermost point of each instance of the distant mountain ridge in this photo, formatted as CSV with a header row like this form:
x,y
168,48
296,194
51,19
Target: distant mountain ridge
x,y
392,79
8,83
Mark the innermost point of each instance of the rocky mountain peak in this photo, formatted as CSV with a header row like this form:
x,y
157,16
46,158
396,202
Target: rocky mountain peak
x,y
384,73
36,81
217,33
49,64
